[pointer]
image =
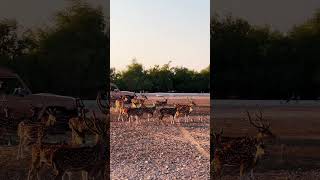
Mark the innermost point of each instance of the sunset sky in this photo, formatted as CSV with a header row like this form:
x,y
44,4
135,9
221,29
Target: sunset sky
x,y
156,32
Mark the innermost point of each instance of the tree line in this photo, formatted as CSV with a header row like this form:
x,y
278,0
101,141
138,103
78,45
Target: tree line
x,y
67,58
255,62
161,78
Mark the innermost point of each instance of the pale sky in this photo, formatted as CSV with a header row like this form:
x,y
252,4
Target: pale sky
x,y
155,32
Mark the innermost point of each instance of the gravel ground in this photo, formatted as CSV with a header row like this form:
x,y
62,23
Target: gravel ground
x,y
160,151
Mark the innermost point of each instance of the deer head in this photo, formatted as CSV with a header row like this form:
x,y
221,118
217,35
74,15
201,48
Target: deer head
x,y
264,131
51,117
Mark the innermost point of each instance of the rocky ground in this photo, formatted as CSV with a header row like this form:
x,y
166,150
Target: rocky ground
x,y
153,150
160,150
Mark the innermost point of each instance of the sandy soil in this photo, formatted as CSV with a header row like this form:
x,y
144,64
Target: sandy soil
x,y
297,127
160,150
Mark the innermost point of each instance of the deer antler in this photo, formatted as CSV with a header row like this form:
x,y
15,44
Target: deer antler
x,y
92,127
250,120
259,119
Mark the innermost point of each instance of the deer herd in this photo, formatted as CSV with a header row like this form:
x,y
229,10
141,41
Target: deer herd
x,y
137,108
242,153
65,158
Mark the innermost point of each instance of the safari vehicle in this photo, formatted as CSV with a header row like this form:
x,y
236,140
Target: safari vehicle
x,y
17,100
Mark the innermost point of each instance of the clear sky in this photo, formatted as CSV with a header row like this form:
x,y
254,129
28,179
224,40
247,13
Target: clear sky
x,y
157,31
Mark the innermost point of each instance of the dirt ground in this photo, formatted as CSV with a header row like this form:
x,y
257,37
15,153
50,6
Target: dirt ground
x,y
297,126
160,150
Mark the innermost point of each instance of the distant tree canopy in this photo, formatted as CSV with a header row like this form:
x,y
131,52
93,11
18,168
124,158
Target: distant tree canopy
x,y
161,78
68,58
253,62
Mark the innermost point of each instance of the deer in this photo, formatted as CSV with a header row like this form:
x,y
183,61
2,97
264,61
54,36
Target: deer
x,y
149,110
185,109
248,149
245,156
119,104
28,131
162,103
41,154
78,127
136,103
91,159
130,112
171,111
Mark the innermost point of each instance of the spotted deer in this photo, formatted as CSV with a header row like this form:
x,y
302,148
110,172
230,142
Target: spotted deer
x,y
29,130
149,110
41,154
242,151
119,105
171,111
162,103
132,112
78,130
185,109
91,159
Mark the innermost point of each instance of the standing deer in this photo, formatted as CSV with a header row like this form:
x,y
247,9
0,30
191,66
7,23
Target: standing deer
x,y
90,159
243,151
162,103
185,109
41,155
28,131
171,111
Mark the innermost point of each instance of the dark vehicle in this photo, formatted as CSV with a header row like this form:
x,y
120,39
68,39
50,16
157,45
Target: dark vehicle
x,y
17,100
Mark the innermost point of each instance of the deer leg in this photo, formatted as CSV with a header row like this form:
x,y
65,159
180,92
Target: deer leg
x,y
119,117
251,174
20,148
241,171
84,175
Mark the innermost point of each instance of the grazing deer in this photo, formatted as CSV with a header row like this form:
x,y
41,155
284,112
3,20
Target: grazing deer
x,y
90,159
248,150
171,111
28,131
